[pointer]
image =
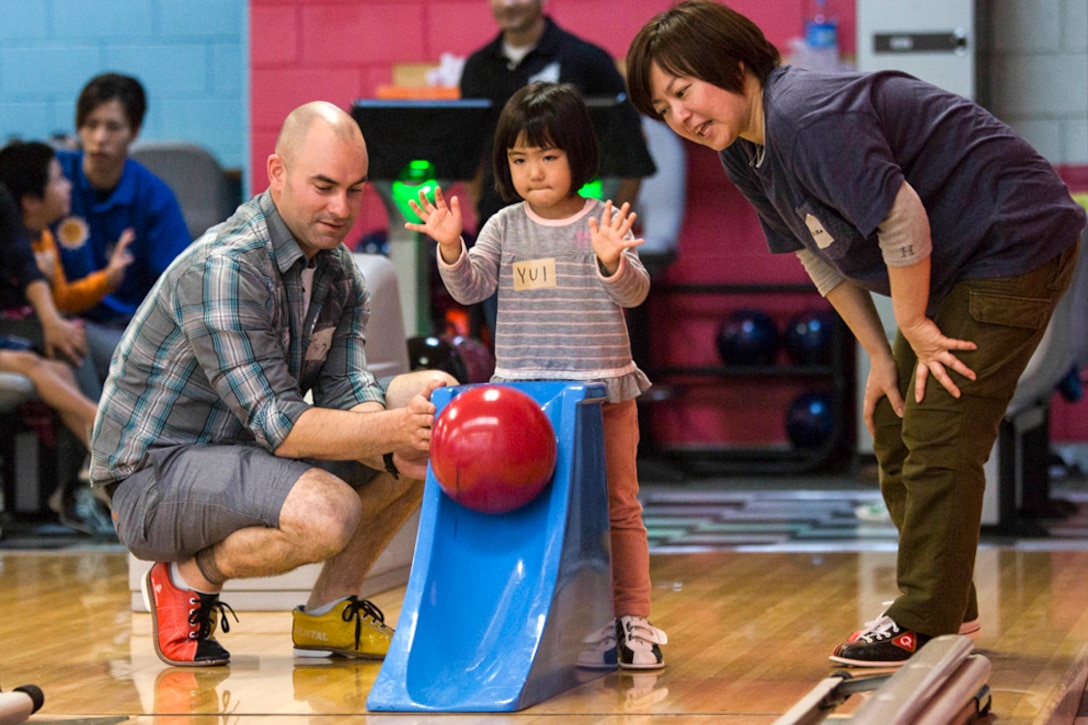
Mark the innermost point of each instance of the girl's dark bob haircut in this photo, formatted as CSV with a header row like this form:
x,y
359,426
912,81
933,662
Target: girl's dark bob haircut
x,y
546,115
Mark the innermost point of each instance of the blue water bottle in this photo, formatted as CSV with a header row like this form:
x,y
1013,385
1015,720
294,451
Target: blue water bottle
x,y
822,36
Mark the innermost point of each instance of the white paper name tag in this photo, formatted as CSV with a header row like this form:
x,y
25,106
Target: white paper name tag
x,y
534,274
819,234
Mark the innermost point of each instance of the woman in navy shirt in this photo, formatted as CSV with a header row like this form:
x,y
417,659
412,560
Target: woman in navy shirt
x,y
882,183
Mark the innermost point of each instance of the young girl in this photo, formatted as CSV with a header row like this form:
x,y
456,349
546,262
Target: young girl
x,y
565,267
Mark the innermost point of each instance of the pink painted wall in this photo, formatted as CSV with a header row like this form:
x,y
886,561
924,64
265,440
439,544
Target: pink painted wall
x,y
340,50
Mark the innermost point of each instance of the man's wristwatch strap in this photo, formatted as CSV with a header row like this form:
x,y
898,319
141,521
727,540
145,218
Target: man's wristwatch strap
x,y
390,466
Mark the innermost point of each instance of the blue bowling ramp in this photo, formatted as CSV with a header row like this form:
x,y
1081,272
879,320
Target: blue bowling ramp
x,y
497,605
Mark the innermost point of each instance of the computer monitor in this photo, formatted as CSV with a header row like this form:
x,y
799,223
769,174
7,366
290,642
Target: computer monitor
x,y
450,134
446,133
616,121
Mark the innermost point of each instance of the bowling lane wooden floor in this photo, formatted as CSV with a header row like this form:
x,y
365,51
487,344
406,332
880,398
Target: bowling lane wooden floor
x,y
749,632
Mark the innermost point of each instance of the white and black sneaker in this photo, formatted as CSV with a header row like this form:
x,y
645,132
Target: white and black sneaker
x,y
883,643
637,644
599,649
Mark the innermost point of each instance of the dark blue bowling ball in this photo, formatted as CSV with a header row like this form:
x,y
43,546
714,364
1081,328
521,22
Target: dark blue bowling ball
x,y
376,242
748,337
434,353
809,421
808,337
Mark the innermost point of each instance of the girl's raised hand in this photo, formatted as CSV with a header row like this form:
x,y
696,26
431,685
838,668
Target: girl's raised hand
x,y
441,222
608,235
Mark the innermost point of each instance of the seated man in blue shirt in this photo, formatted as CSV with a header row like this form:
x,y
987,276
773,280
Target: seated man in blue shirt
x,y
112,196
216,464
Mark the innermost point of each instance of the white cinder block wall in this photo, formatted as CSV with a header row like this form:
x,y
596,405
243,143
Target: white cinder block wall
x,y
1037,73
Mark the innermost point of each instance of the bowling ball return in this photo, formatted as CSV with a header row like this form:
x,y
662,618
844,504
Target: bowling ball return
x,y
942,684
497,605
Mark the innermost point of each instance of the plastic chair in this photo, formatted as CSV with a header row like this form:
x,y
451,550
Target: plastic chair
x,y
195,176
386,344
15,389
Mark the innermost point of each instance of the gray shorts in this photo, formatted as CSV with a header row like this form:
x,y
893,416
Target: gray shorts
x,y
193,496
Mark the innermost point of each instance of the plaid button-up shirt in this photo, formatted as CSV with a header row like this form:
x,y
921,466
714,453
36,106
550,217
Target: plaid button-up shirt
x,y
223,350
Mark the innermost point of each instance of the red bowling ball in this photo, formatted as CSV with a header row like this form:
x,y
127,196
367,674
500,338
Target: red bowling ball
x,y
493,449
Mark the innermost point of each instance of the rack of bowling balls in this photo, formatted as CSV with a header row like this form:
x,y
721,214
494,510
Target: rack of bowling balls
x,y
749,340
752,378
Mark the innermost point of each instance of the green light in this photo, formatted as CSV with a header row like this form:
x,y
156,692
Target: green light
x,y
592,190
417,176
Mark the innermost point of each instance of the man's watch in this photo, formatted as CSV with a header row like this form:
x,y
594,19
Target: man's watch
x,y
390,467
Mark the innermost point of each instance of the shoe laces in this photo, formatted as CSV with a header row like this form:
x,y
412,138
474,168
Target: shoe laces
x,y
639,631
358,609
890,602
880,629
208,611
883,615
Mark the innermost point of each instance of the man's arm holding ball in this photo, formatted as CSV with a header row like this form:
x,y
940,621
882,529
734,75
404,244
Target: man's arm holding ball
x,y
368,431
412,392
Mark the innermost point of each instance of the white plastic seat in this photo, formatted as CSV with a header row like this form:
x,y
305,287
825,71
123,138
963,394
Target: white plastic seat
x,y
386,345
15,389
